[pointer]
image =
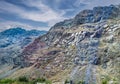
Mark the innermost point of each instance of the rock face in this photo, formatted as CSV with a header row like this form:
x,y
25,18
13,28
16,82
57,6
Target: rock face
x,y
84,49
81,53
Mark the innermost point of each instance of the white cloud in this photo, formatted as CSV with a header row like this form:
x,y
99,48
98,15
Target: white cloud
x,y
7,7
93,3
44,14
79,2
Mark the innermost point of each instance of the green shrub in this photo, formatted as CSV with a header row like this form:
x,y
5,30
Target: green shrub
x,y
6,81
23,79
67,81
104,81
48,82
81,82
40,80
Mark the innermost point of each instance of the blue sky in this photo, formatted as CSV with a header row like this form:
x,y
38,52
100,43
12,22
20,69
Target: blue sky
x,y
42,14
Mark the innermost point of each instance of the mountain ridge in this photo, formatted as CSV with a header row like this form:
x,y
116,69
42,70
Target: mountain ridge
x,y
91,16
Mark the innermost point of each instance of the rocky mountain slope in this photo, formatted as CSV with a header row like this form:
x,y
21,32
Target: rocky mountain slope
x,y
82,50
12,41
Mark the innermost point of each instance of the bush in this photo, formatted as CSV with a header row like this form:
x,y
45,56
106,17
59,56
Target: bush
x,y
6,81
40,80
81,82
104,81
23,79
66,81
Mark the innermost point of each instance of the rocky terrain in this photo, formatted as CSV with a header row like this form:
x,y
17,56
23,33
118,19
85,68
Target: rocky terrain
x,y
82,50
12,41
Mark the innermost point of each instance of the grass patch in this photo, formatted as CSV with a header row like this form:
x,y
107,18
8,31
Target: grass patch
x,y
24,80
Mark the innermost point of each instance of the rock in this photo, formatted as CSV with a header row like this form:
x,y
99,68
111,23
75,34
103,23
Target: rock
x,y
105,26
53,52
96,61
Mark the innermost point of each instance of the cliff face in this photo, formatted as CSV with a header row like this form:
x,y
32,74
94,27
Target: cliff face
x,y
83,49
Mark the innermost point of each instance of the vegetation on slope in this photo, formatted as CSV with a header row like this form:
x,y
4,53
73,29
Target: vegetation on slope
x,y
24,80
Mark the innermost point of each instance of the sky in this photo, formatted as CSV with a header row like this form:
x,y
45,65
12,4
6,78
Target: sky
x,y
42,14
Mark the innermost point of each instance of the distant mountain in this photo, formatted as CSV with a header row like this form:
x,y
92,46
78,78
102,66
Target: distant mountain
x,y
12,32
16,35
13,41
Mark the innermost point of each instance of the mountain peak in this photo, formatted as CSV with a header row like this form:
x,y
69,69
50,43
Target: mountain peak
x,y
13,31
21,31
90,16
